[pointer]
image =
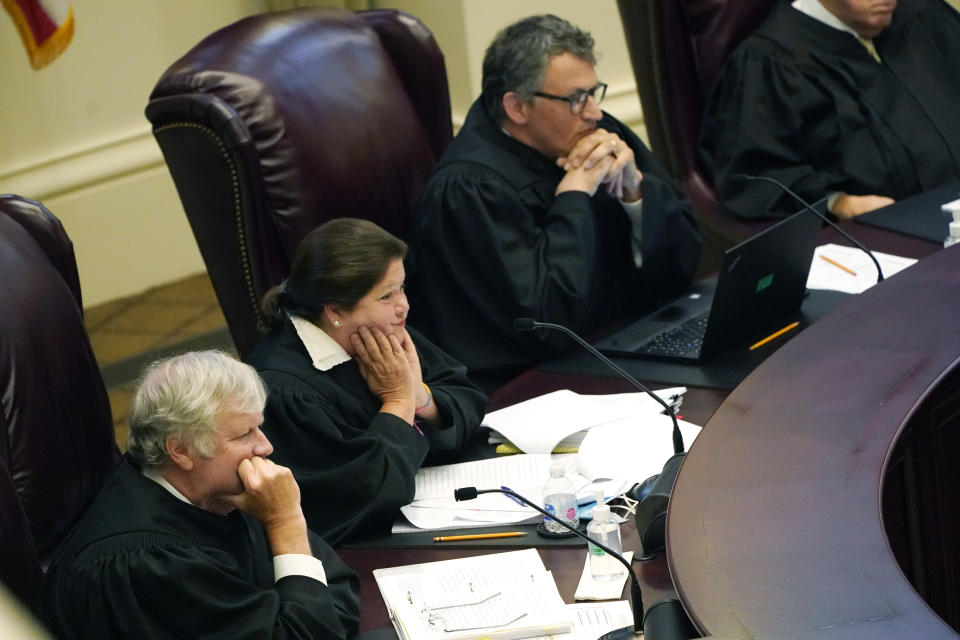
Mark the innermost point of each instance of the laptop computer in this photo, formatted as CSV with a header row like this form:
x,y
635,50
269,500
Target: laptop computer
x,y
919,216
761,282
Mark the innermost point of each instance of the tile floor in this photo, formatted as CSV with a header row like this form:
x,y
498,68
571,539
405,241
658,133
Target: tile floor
x,y
129,333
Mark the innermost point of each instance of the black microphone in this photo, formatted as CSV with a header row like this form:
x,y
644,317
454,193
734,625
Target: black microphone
x,y
826,219
636,599
665,620
529,324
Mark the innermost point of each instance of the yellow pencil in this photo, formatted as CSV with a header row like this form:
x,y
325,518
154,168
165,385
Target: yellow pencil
x,y
775,334
838,265
480,536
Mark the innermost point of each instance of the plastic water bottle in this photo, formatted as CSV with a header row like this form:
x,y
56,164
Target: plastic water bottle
x,y
560,500
606,530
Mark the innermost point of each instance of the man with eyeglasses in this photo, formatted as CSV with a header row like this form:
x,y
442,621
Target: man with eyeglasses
x,y
544,206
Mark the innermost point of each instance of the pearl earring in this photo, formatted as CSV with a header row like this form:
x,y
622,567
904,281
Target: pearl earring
x,y
336,324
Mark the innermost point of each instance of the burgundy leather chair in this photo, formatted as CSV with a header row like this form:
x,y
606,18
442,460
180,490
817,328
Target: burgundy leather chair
x,y
279,122
677,48
56,433
19,564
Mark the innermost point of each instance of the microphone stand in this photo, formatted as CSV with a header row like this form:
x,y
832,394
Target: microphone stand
x,y
636,599
666,620
826,219
529,324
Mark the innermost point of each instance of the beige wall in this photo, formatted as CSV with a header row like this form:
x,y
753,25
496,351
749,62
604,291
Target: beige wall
x,y
464,47
74,136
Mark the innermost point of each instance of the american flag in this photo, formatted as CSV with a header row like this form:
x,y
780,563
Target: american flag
x,y
46,27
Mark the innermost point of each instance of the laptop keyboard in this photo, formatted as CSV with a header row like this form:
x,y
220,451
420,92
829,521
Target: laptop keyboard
x,y
678,340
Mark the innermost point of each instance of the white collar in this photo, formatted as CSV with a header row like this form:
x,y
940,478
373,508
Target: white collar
x,y
817,11
323,350
155,475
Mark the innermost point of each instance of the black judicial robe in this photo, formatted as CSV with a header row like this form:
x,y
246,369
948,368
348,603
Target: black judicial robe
x,y
491,242
806,104
143,564
355,465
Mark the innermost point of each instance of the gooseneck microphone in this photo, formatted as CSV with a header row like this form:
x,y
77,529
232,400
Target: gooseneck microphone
x,y
636,599
666,620
529,324
826,219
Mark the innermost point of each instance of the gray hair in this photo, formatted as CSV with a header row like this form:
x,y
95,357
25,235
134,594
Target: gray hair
x,y
518,57
182,396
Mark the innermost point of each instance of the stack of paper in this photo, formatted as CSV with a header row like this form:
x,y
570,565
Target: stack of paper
x,y
849,269
405,589
625,439
435,508
631,449
570,444
500,596
594,619
558,421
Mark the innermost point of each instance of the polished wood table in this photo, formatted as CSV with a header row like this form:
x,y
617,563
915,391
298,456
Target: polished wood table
x,y
820,499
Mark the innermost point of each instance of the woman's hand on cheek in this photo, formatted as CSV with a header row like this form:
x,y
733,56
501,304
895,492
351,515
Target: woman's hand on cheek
x,y
383,363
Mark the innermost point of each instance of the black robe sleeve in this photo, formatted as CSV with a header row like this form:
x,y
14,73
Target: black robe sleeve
x,y
154,586
514,262
460,404
353,476
670,238
482,257
765,117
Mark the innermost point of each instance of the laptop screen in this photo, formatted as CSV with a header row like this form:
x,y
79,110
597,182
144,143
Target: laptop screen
x,y
762,280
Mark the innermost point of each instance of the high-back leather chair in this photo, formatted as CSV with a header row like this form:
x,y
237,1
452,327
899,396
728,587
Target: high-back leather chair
x,y
677,48
56,432
280,122
19,564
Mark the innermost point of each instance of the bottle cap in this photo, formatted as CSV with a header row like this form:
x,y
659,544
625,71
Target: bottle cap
x,y
953,208
601,511
556,469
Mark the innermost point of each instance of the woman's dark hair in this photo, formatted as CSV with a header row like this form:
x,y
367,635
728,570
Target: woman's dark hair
x,y
339,262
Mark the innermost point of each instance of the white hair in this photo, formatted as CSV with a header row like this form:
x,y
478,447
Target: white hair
x,y
182,396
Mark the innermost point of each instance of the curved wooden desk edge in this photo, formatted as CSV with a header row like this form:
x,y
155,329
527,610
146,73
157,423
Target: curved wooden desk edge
x,y
775,526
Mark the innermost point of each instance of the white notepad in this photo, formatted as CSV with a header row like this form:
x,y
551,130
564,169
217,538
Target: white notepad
x,y
502,596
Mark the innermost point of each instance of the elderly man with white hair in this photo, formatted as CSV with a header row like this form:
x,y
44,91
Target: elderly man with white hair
x,y
197,533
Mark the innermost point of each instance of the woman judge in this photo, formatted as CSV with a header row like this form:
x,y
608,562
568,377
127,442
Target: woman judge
x,y
357,400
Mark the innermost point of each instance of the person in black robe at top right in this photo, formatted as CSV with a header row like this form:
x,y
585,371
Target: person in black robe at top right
x,y
852,101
